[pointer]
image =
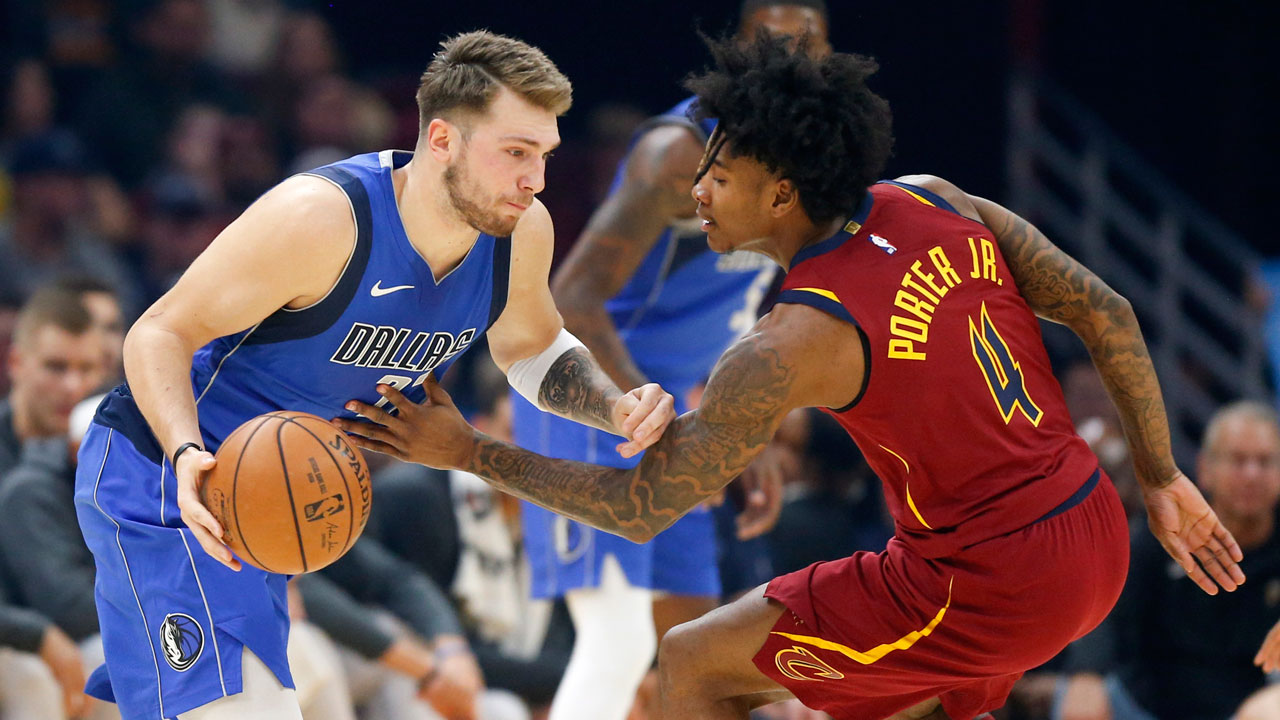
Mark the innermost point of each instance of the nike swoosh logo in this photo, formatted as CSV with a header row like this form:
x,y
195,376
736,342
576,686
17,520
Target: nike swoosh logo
x,y
378,291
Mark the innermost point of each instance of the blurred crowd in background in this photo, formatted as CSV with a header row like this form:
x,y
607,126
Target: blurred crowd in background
x,y
132,132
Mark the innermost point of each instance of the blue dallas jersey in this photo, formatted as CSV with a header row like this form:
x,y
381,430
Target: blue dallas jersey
x,y
677,314
386,321
173,619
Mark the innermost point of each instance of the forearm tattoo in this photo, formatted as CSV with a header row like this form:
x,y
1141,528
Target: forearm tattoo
x,y
575,387
698,455
1060,289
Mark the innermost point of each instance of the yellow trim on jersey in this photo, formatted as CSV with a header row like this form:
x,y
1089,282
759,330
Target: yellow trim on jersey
x,y
866,658
819,291
904,462
852,227
914,195
911,503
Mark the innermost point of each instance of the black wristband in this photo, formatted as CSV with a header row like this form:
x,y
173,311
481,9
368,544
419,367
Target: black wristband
x,y
183,448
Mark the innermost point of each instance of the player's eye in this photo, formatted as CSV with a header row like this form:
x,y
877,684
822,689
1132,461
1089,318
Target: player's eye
x,y
548,155
516,152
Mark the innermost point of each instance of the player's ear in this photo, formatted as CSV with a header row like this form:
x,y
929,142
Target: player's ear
x,y
785,197
441,137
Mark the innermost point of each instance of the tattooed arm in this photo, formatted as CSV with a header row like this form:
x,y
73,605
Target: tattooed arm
x,y
654,189
574,385
1058,288
784,363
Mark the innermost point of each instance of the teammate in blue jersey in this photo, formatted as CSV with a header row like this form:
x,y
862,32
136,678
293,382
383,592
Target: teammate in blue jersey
x,y
374,272
653,302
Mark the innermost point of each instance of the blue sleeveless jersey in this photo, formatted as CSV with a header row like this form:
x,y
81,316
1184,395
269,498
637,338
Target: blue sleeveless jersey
x,y
686,303
677,314
386,321
174,621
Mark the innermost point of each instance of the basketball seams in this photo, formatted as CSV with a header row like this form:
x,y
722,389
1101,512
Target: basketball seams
x,y
235,479
288,486
351,501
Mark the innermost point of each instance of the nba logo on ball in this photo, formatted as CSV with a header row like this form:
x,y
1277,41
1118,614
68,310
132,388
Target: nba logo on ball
x,y
182,639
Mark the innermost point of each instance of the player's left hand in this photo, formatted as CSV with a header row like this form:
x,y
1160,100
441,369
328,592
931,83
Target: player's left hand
x,y
642,415
433,433
1192,534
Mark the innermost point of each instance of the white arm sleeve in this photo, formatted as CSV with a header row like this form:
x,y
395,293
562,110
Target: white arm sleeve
x,y
526,375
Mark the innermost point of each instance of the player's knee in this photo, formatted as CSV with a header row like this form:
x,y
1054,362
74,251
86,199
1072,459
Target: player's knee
x,y
678,653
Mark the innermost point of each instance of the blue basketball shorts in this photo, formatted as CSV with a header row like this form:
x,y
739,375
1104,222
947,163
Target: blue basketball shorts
x,y
566,555
174,620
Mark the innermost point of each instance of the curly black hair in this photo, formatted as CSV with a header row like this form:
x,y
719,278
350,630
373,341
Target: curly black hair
x,y
814,121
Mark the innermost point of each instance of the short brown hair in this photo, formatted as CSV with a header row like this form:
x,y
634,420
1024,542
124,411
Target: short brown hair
x,y
469,68
51,306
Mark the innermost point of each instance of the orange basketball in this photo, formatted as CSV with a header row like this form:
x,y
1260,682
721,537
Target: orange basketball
x,y
291,493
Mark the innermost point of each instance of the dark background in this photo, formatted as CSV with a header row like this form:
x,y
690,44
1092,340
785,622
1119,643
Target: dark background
x,y
1190,84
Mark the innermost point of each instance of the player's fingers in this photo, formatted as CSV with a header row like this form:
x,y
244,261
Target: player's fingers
x,y
1267,652
660,415
630,448
1229,542
1214,566
437,394
625,408
1226,558
373,431
365,443
372,412
395,398
214,547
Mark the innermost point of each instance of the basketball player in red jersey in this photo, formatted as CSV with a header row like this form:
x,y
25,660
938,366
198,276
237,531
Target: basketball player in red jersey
x,y
909,312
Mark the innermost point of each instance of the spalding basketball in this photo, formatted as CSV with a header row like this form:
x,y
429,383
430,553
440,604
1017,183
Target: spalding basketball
x,y
291,493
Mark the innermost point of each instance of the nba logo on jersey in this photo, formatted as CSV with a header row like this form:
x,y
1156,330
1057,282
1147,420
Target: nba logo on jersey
x,y
182,639
882,243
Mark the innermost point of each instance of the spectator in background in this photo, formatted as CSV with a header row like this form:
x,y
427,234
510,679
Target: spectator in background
x,y
836,507
1168,651
30,109
103,304
135,103
52,227
9,307
179,225
404,640
55,361
41,672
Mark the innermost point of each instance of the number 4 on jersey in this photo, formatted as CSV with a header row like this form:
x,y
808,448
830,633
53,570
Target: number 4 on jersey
x,y
1003,375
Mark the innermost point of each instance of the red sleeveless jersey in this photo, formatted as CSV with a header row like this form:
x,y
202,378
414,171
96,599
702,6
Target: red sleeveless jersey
x,y
960,415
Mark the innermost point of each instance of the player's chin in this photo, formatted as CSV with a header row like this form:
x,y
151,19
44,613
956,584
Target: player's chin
x,y
718,241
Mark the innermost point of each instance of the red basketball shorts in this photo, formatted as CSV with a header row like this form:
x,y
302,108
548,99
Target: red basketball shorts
x,y
870,635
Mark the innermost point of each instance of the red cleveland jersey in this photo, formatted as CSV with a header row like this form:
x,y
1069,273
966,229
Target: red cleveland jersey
x,y
960,415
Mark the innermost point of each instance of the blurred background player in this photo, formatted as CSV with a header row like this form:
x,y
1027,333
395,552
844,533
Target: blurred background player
x,y
654,304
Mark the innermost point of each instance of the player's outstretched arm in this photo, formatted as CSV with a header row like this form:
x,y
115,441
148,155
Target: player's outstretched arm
x,y
654,189
551,368
1058,288
288,247
784,363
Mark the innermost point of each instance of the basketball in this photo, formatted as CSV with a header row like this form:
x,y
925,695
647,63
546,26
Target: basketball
x,y
291,493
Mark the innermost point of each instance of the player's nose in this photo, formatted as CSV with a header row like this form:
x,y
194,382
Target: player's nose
x,y
700,193
535,180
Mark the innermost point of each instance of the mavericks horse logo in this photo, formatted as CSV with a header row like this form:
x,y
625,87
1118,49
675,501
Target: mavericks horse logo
x,y
182,639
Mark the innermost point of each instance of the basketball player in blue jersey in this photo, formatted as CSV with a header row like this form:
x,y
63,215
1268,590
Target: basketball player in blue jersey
x,y
379,270
653,302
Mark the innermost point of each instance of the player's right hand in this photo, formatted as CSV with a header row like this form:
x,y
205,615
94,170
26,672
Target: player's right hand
x,y
62,656
1192,534
190,471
